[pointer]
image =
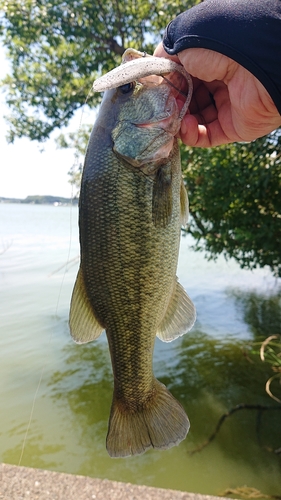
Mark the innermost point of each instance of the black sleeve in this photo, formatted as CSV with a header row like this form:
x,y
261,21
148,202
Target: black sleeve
x,y
248,31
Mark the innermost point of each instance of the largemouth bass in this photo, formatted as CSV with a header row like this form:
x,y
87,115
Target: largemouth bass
x,y
132,204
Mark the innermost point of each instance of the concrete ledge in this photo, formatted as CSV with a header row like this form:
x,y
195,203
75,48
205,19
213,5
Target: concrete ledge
x,y
21,483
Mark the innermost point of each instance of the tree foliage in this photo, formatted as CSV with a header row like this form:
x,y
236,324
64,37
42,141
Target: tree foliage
x,y
235,201
78,142
57,48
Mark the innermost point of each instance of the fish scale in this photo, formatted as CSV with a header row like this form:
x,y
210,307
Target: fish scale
x,y
127,281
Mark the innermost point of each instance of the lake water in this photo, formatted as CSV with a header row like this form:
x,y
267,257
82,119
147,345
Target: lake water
x,y
208,370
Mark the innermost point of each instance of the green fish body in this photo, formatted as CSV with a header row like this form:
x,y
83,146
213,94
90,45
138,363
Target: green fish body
x,y
132,204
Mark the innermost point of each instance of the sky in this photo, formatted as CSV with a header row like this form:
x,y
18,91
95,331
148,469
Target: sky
x,y
24,170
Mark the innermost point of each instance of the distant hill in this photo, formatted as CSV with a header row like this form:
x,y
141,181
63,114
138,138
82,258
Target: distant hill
x,y
41,200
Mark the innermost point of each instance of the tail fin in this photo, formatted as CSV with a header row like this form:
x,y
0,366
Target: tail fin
x,y
160,424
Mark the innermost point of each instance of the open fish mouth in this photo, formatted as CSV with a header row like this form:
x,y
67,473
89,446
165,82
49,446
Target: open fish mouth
x,y
149,70
159,123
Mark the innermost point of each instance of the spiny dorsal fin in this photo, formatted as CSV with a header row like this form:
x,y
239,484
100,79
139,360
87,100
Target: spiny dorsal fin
x,y
162,198
180,316
184,205
84,327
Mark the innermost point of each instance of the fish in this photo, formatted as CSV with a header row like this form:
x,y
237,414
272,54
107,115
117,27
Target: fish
x,y
131,208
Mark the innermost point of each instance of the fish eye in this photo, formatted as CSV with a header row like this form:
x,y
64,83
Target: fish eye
x,y
127,87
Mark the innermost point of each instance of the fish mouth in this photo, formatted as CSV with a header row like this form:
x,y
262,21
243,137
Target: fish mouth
x,y
137,66
162,123
170,124
170,119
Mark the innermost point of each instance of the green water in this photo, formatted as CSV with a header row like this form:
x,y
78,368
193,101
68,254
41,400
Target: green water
x,y
209,370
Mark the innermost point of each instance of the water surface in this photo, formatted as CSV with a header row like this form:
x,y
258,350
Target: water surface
x,y
208,370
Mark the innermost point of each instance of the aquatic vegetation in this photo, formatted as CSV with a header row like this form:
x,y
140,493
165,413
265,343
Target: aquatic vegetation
x,y
270,352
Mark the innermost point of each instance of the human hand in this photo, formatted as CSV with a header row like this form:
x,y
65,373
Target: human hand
x,y
229,104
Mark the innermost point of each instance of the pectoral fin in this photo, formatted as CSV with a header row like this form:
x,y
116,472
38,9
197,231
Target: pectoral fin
x,y
84,327
180,316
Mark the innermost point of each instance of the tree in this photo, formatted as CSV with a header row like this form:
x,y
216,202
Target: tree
x,y
235,201
78,142
57,48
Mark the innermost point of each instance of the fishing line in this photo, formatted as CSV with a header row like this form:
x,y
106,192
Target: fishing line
x,y
69,250
174,86
75,164
32,410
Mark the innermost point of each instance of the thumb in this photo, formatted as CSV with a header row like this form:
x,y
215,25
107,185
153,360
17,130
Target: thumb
x,y
160,52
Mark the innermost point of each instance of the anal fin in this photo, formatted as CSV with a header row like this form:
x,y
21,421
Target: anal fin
x,y
180,315
84,327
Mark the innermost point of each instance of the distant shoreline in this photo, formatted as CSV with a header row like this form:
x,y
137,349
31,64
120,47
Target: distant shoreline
x,y
41,200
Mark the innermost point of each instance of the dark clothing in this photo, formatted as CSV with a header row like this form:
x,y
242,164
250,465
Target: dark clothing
x,y
248,31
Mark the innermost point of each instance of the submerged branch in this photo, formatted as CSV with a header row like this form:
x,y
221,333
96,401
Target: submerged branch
x,y
242,406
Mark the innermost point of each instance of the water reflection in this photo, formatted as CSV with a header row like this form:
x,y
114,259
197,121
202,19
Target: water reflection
x,y
261,312
210,370
38,454
85,386
208,377
214,376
